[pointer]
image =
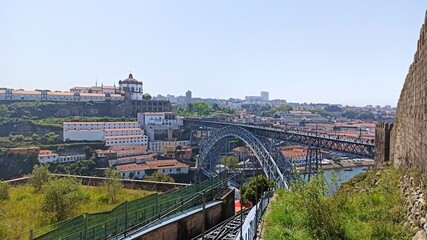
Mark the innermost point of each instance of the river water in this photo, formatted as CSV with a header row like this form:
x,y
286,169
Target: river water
x,y
342,176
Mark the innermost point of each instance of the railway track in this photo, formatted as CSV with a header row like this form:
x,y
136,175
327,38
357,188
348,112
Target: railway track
x,y
226,230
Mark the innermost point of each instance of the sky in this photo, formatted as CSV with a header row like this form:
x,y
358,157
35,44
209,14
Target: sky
x,y
353,52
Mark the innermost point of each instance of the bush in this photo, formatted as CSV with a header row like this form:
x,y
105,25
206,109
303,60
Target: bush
x,y
113,185
159,177
39,177
62,197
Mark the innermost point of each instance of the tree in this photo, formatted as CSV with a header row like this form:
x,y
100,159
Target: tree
x,y
62,197
51,137
146,96
39,177
284,108
35,137
4,112
159,177
230,162
112,185
4,190
255,188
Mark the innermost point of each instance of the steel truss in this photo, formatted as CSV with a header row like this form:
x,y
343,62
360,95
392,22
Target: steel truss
x,y
273,163
356,148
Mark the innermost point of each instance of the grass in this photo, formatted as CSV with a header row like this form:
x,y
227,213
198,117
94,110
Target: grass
x,y
368,207
22,212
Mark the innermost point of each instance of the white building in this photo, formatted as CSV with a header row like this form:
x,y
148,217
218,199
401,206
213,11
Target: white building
x,y
132,159
126,140
71,158
112,133
155,122
47,156
159,146
168,167
44,95
159,118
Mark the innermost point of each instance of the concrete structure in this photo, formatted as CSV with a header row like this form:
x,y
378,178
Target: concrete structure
x,y
189,225
168,167
409,134
382,143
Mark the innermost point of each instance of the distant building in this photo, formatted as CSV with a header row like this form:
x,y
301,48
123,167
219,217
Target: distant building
x,y
188,96
129,92
265,96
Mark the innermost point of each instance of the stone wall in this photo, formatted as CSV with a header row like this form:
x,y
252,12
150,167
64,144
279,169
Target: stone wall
x,y
409,135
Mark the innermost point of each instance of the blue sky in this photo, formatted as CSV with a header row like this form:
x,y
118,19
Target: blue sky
x,y
354,52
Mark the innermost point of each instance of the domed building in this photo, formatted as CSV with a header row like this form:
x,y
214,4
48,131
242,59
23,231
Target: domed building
x,y
132,88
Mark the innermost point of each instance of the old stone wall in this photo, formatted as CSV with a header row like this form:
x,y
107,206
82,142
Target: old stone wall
x,y
382,143
409,135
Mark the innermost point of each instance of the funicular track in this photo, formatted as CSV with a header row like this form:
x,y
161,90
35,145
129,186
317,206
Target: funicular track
x,y
227,229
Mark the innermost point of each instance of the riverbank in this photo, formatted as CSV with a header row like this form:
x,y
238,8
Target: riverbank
x,y
343,164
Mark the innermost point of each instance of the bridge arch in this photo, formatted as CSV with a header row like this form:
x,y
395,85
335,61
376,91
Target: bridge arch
x,y
263,152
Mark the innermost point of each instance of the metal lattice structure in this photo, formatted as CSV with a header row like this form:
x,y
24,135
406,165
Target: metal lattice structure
x,y
357,148
274,165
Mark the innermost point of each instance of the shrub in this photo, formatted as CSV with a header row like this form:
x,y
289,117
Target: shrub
x,y
39,177
62,197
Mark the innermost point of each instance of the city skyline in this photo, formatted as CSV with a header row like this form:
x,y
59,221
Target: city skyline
x,y
295,51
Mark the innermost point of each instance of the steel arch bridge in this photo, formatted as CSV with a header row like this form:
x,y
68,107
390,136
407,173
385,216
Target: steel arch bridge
x,y
274,164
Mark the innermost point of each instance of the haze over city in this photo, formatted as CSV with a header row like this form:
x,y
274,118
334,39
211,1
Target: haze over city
x,y
354,53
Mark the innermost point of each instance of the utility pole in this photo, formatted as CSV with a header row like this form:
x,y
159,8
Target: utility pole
x,y
241,202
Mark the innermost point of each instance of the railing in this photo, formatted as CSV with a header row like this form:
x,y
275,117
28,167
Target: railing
x,y
135,214
250,225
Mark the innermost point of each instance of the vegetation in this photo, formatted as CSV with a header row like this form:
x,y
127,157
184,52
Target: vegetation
x,y
81,167
159,177
253,190
230,162
23,210
202,109
39,177
113,185
62,196
146,96
4,191
368,207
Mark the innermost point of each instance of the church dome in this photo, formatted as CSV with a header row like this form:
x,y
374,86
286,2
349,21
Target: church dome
x,y
130,79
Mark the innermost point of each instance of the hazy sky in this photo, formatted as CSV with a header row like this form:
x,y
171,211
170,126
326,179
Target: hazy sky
x,y
353,52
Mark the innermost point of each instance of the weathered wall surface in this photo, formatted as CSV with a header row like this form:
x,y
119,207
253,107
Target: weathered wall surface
x,y
382,143
409,135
